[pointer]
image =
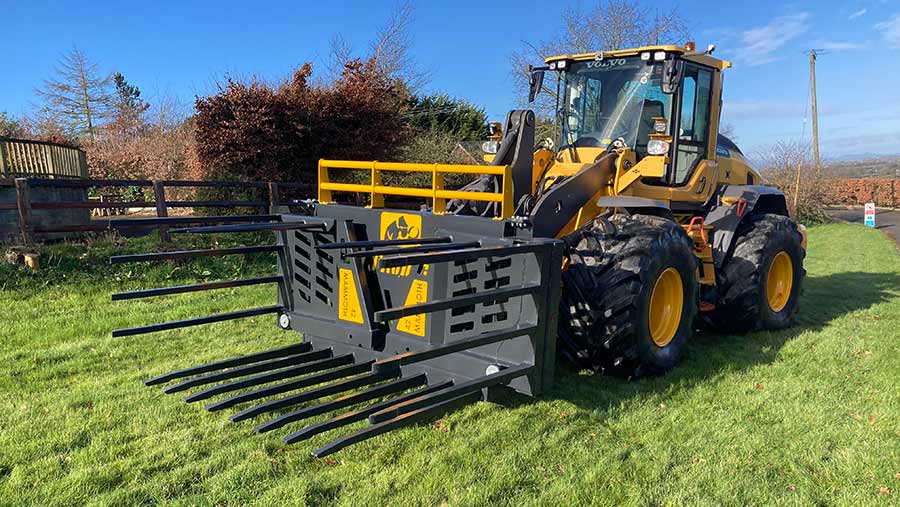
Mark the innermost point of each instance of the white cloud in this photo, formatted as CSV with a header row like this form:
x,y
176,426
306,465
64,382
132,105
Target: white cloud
x,y
858,13
835,46
761,108
890,29
761,44
780,109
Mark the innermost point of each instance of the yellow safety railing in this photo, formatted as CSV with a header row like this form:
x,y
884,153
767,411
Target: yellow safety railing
x,y
437,193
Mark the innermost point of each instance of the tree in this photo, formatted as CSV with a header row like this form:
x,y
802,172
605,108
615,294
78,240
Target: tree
x,y
728,130
126,109
77,96
258,131
787,165
609,25
440,112
388,52
9,126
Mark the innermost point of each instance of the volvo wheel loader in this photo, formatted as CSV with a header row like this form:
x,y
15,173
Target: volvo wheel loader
x,y
608,249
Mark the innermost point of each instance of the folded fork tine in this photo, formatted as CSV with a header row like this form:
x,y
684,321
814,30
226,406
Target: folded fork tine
x,y
241,371
359,414
297,348
296,371
344,401
314,394
337,373
397,422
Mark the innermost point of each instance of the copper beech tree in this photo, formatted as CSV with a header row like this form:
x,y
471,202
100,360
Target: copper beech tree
x,y
257,131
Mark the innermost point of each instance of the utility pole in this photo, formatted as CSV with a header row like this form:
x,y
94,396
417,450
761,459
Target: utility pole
x,y
815,114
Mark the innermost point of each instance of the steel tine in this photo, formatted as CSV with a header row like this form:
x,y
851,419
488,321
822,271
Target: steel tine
x,y
314,394
344,401
296,371
197,321
469,386
384,242
413,249
272,364
359,414
228,363
293,385
397,422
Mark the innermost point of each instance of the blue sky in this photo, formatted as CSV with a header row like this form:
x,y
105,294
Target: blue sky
x,y
183,50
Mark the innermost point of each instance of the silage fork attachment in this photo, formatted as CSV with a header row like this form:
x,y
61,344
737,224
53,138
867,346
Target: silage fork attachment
x,y
395,329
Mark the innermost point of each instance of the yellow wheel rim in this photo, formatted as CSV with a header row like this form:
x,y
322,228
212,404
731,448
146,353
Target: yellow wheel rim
x,y
780,281
666,302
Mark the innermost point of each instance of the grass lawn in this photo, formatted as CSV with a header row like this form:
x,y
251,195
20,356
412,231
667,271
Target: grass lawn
x,y
809,416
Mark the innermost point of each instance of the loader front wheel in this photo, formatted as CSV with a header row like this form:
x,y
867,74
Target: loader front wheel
x,y
759,285
629,295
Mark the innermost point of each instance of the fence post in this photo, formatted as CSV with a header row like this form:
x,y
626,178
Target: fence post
x,y
4,172
273,197
162,211
23,201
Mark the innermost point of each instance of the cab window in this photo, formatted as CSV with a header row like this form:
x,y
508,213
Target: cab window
x,y
693,138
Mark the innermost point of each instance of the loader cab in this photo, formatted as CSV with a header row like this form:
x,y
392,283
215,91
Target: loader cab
x,y
660,102
611,102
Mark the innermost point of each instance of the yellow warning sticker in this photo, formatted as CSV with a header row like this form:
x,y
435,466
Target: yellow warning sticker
x,y
349,308
415,324
399,226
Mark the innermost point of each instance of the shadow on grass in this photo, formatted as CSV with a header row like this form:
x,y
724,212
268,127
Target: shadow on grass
x,y
710,354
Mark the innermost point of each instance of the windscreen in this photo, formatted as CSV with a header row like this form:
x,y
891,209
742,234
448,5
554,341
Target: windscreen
x,y
613,99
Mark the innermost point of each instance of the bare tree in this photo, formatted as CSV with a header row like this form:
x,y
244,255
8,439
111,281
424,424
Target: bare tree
x,y
340,51
609,25
728,130
77,96
788,166
389,50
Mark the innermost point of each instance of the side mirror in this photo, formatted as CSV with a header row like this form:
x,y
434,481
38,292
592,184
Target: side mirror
x,y
672,70
534,84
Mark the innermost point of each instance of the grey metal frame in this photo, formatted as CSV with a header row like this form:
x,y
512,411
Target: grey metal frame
x,y
490,320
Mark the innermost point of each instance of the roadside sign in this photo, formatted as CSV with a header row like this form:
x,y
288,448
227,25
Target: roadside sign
x,y
870,214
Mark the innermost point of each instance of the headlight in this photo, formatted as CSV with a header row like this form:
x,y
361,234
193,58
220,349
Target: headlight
x,y
657,147
490,146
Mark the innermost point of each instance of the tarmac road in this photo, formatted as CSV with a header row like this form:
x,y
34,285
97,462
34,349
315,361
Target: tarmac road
x,y
886,220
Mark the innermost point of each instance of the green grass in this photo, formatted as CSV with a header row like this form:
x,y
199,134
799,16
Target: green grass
x,y
809,416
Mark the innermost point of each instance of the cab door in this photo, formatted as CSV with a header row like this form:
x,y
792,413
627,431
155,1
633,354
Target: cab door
x,y
693,123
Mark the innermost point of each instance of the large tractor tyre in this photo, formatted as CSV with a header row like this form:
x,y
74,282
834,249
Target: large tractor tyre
x,y
629,295
759,285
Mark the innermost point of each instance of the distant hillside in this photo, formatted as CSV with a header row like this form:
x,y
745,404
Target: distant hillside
x,y
880,167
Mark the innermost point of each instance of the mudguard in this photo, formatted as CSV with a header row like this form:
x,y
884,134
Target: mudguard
x,y
735,204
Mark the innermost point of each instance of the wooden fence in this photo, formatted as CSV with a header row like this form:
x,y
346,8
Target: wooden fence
x,y
25,205
37,158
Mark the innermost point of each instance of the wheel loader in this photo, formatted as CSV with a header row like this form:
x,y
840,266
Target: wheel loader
x,y
603,248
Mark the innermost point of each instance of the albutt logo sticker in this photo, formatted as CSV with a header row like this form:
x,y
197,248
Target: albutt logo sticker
x,y
396,226
415,324
349,308
399,226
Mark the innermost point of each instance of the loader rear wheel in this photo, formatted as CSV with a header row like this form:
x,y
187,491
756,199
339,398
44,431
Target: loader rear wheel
x,y
759,285
629,295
